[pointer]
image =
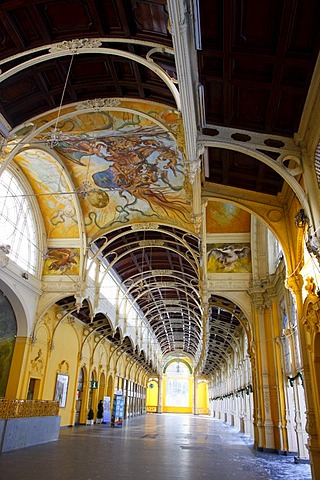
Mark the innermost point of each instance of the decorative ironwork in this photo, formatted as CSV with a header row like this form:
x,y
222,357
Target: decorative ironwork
x,y
27,408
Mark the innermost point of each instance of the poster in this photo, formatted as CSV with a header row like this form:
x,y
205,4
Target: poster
x,y
106,410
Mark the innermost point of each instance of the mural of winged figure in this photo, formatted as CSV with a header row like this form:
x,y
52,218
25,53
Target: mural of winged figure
x,y
229,255
61,259
137,167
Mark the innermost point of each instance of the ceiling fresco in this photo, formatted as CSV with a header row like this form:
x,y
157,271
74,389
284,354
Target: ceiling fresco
x,y
132,175
124,166
226,218
54,194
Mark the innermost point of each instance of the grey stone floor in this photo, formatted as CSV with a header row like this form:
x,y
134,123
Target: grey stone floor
x,y
155,447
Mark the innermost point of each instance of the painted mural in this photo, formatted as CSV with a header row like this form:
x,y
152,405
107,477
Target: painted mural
x,y
225,258
131,177
131,174
53,193
8,331
62,261
125,167
226,218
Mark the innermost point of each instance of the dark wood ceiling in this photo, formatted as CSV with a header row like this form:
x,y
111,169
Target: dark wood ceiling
x,y
257,61
27,25
255,64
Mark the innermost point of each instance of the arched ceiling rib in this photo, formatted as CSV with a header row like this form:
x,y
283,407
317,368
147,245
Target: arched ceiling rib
x,y
225,328
169,297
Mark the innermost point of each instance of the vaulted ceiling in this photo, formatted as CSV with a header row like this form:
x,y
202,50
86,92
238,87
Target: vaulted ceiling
x,y
251,64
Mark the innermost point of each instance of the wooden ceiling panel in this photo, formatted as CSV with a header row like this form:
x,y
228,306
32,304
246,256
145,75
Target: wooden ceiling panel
x,y
286,119
258,72
64,20
303,37
151,18
88,67
23,87
25,25
256,62
252,36
211,14
214,102
9,38
238,170
110,18
248,106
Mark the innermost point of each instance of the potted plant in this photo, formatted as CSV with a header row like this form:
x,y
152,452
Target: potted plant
x,y
90,417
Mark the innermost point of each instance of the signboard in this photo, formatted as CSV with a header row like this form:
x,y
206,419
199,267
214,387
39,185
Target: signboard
x,y
93,384
117,411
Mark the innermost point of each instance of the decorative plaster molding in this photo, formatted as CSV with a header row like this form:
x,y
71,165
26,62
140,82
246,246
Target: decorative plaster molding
x,y
311,425
145,226
98,103
71,320
59,284
4,252
4,260
5,248
294,283
312,318
151,243
63,367
163,272
37,364
75,44
223,285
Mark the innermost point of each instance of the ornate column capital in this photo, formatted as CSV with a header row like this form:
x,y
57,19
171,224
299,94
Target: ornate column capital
x,y
294,283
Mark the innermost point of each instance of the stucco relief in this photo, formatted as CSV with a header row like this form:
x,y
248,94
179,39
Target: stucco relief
x,y
312,318
37,364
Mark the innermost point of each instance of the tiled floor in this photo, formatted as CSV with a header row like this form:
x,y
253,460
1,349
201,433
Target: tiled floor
x,y
155,447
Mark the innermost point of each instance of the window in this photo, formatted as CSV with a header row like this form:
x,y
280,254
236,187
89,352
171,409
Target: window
x,y
17,226
177,388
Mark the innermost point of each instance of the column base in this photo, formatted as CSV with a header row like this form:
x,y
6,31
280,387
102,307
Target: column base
x,y
301,460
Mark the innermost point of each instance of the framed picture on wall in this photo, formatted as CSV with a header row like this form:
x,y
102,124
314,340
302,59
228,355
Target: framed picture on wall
x,y
60,393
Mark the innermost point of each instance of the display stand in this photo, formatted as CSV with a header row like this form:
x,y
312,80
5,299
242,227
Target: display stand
x,y
117,411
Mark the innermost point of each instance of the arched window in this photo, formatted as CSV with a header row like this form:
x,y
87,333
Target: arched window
x,y
17,225
177,385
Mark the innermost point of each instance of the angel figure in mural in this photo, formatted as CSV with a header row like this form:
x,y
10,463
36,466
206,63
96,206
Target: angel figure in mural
x,y
138,167
229,255
62,259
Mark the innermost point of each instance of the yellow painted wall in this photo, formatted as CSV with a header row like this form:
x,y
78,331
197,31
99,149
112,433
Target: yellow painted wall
x,y
63,359
202,398
152,394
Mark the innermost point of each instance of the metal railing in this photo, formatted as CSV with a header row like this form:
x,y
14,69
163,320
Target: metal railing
x,y
27,408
